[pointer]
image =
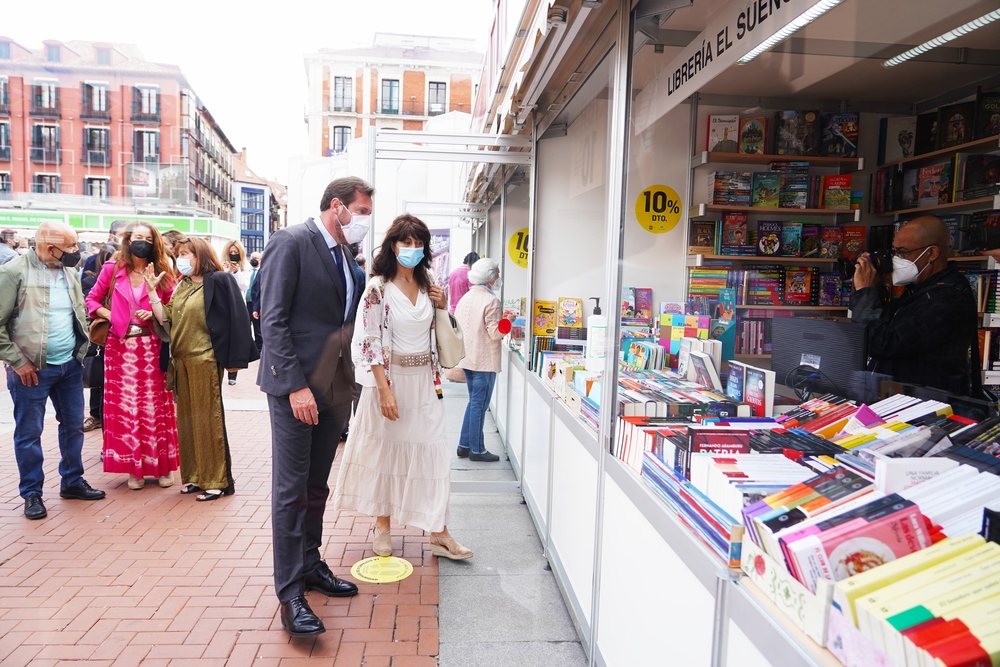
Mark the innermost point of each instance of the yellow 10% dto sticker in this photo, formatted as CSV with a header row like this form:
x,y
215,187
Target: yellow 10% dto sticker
x,y
517,247
658,209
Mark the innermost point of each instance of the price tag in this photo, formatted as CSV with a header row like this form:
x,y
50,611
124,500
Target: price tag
x,y
517,247
658,209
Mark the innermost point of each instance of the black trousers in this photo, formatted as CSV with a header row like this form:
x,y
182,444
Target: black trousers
x,y
97,402
257,339
301,459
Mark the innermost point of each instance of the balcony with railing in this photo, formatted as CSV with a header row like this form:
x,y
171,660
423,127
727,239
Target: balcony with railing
x,y
4,153
97,157
341,106
389,106
87,112
4,102
45,106
139,155
45,155
145,112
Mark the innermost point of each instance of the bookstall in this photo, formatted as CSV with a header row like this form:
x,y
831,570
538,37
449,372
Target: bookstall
x,y
705,203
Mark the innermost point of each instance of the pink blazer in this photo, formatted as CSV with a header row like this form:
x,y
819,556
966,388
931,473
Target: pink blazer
x,y
121,313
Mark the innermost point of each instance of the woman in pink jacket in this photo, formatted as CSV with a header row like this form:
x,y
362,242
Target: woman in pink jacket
x,y
140,427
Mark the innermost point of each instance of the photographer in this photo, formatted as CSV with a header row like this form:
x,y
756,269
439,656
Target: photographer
x,y
923,337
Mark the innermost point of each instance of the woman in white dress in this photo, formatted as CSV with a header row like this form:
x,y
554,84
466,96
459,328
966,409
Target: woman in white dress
x,y
396,463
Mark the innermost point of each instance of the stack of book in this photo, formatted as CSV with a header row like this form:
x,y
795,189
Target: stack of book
x,y
730,188
760,285
794,191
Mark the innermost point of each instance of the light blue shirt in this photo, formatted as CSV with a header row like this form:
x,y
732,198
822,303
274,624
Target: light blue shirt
x,y
348,278
61,343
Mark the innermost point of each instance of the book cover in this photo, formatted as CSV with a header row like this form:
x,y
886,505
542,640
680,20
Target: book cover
x,y
722,133
628,302
853,241
957,124
837,191
796,133
769,238
798,285
811,239
910,188
705,372
753,131
544,318
702,238
791,239
926,140
724,331
987,115
734,229
934,184
831,239
830,289
726,310
766,186
643,303
758,391
899,137
734,381
840,134
570,312
975,176
954,223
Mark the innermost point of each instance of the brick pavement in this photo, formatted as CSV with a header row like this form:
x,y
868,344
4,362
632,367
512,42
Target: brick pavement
x,y
154,578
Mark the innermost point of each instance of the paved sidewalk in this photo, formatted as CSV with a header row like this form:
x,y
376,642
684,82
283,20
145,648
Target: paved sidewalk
x,y
152,577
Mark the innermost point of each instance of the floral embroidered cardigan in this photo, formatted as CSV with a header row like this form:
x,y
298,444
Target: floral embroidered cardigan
x,y
371,344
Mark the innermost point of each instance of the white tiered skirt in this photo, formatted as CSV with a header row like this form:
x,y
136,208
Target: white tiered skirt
x,y
400,469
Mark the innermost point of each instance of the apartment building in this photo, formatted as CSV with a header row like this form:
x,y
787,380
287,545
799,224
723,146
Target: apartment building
x,y
89,123
400,82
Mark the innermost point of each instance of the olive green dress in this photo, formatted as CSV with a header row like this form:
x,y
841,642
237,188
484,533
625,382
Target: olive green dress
x,y
197,385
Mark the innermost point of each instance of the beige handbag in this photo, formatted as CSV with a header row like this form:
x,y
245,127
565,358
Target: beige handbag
x,y
450,345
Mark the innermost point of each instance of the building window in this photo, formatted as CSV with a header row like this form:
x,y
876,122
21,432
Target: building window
x,y
146,147
5,142
45,184
4,182
4,100
5,52
146,103
96,146
390,96
341,135
95,101
97,187
437,98
45,98
342,98
103,56
253,200
45,144
252,222
52,53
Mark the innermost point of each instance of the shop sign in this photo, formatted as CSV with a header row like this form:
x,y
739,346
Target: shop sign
x,y
25,219
517,247
658,209
736,30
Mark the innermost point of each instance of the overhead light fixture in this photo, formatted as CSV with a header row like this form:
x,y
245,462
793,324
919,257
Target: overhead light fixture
x,y
793,26
940,40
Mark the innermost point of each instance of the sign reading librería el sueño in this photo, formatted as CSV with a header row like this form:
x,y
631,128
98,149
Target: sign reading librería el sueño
x,y
736,30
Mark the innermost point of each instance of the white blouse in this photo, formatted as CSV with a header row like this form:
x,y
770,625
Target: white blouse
x,y
411,324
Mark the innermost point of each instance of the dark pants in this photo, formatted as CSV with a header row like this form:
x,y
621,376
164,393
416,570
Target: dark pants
x,y
257,339
64,385
97,402
480,385
301,459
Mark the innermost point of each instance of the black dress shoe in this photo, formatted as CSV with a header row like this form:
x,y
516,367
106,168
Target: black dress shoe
x,y
34,508
463,452
81,491
488,457
298,619
322,580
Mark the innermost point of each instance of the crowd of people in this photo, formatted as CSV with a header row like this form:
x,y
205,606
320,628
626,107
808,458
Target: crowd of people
x,y
341,349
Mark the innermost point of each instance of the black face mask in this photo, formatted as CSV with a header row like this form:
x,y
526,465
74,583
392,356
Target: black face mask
x,y
141,249
68,259
254,263
234,258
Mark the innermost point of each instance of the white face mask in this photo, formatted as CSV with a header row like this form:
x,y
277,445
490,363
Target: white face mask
x,y
184,266
904,272
357,229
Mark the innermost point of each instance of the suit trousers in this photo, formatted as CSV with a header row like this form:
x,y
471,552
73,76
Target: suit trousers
x,y
301,458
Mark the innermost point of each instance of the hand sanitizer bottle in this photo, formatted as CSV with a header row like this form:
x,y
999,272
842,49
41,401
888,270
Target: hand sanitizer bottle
x,y
597,327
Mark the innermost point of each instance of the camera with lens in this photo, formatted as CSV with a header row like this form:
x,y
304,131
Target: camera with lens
x,y
881,260
983,238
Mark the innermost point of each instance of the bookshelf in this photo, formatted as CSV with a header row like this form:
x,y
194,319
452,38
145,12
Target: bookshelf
x,y
813,309
770,259
706,157
993,201
703,211
984,143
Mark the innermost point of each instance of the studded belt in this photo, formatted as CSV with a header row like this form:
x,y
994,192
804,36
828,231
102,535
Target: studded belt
x,y
411,359
134,331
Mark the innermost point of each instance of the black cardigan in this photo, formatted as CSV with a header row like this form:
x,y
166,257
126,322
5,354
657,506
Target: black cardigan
x,y
228,321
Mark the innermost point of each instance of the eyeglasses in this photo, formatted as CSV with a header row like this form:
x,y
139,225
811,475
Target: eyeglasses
x,y
902,252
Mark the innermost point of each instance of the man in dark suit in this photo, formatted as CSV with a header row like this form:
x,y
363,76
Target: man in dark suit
x,y
310,287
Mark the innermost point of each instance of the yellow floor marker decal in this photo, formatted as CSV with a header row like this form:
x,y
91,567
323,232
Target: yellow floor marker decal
x,y
381,570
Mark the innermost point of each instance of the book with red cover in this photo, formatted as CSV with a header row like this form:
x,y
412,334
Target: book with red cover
x,y
799,285
854,241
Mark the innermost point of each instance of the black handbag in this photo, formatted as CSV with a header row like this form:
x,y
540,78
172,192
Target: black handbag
x,y
93,367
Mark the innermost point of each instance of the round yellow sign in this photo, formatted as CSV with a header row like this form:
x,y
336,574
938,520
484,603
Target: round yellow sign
x,y
658,209
517,247
381,570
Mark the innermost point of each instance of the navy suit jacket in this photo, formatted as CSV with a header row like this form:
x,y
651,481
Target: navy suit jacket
x,y
307,337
